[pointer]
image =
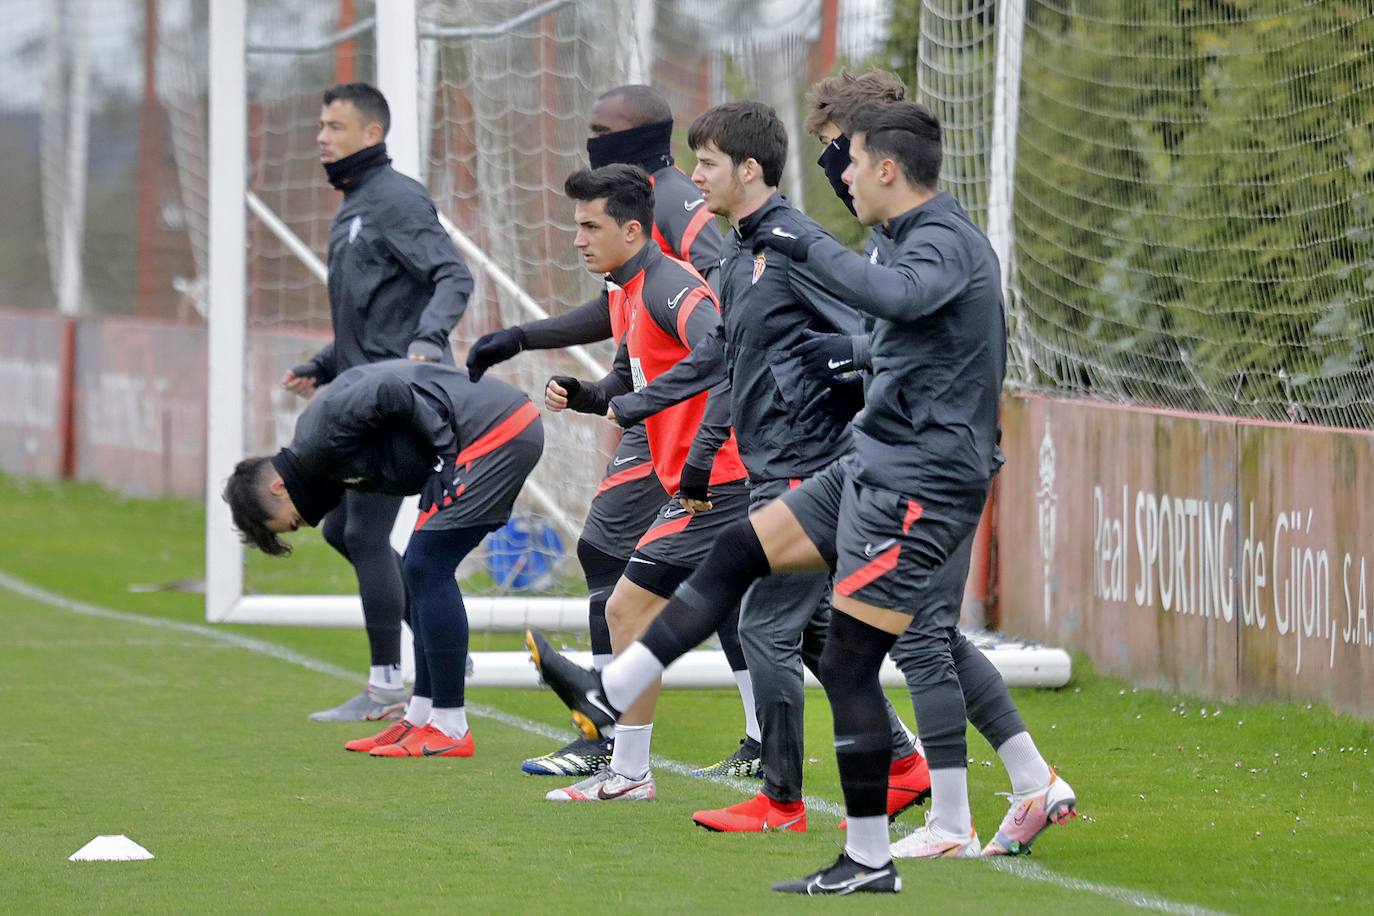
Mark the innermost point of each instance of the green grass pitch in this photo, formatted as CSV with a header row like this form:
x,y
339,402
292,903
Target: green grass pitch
x,y
200,751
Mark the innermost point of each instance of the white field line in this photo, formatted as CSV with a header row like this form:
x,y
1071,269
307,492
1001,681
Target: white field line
x,y
1019,868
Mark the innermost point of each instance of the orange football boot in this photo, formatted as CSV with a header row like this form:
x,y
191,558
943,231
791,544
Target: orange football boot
x,y
427,742
389,735
759,814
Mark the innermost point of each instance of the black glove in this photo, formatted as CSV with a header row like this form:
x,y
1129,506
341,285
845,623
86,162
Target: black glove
x,y
794,246
307,370
695,483
440,484
826,357
493,348
583,397
838,402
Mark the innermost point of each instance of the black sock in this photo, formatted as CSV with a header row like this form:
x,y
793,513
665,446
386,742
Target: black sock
x,y
710,594
602,572
854,652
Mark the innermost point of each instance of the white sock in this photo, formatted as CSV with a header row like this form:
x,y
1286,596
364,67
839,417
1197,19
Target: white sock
x,y
746,696
1027,769
630,758
867,841
451,720
949,801
599,662
417,710
629,675
385,677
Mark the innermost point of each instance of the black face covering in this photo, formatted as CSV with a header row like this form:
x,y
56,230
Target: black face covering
x,y
648,146
344,173
834,161
312,496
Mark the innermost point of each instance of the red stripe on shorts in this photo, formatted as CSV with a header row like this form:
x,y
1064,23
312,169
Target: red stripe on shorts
x,y
881,565
662,531
635,473
499,435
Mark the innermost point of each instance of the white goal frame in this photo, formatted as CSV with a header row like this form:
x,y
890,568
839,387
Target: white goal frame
x,y
230,203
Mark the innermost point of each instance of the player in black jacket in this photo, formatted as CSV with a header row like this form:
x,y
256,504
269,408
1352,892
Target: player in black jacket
x,y
629,125
397,287
403,427
893,519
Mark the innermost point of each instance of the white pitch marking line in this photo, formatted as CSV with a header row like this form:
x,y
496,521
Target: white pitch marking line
x,y
1016,867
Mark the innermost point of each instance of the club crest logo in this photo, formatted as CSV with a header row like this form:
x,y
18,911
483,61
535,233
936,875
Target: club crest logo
x,y
354,228
760,262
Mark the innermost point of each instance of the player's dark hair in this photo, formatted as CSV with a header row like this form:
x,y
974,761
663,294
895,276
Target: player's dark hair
x,y
835,98
247,495
641,104
744,130
626,189
369,101
906,132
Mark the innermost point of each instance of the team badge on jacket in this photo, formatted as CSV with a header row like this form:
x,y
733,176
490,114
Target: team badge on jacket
x,y
354,228
760,262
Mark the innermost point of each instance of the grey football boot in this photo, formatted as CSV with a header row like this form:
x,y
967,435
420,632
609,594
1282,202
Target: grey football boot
x,y
372,705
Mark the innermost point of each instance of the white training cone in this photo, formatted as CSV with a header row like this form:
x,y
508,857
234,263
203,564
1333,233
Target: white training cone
x,y
112,848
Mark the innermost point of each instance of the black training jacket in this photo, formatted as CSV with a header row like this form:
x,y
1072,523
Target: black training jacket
x,y
382,427
767,304
929,428
397,287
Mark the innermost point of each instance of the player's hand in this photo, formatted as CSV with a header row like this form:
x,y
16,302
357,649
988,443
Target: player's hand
x,y
493,348
300,381
693,490
575,394
555,395
610,415
826,357
792,245
839,402
440,484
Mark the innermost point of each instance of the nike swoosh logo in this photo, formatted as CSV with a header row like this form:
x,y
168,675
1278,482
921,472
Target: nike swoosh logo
x,y
641,560
1020,816
843,742
435,751
847,886
784,825
870,549
690,205
672,303
835,364
782,234
602,794
617,462
673,513
594,698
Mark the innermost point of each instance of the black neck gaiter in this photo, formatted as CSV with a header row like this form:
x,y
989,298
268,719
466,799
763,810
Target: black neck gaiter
x,y
834,161
344,173
312,496
648,146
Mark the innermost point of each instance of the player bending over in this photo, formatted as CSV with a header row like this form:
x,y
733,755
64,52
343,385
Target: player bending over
x,y
402,427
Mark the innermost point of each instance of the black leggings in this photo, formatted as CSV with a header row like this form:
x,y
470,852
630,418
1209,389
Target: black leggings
x,y
360,529
438,617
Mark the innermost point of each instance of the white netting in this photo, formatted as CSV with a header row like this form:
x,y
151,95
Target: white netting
x,y
1192,211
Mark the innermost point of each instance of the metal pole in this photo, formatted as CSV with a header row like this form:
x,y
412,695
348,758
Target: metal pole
x,y
228,143
398,74
1011,17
